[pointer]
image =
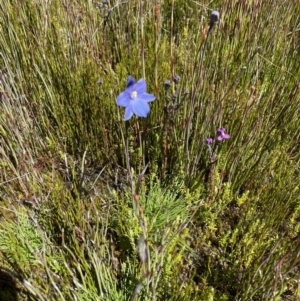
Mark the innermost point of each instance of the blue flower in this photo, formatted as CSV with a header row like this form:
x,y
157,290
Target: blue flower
x,y
135,99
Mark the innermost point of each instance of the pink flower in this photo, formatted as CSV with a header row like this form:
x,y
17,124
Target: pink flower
x,y
222,135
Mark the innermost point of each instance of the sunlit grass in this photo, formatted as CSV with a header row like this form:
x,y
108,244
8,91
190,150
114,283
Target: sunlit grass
x,y
93,208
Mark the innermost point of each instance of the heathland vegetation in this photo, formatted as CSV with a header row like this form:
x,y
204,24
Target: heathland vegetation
x,y
195,196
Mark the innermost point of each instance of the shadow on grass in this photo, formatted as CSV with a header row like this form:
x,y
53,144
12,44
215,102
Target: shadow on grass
x,y
8,286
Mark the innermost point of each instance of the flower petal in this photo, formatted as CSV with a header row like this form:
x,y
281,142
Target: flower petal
x,y
221,131
123,100
130,81
209,141
140,87
220,138
146,97
128,113
226,136
140,108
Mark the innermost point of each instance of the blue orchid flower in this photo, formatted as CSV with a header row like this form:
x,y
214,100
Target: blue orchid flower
x,y
135,99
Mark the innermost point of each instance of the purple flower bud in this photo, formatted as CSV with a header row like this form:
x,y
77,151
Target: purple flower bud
x,y
176,79
213,19
214,16
167,84
209,141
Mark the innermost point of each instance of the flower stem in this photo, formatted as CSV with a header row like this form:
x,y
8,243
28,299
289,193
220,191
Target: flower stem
x,y
142,38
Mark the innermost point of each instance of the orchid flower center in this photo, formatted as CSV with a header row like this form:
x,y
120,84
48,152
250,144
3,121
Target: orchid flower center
x,y
133,94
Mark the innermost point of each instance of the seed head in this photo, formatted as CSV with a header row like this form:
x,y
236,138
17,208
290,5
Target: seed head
x,y
213,19
214,16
